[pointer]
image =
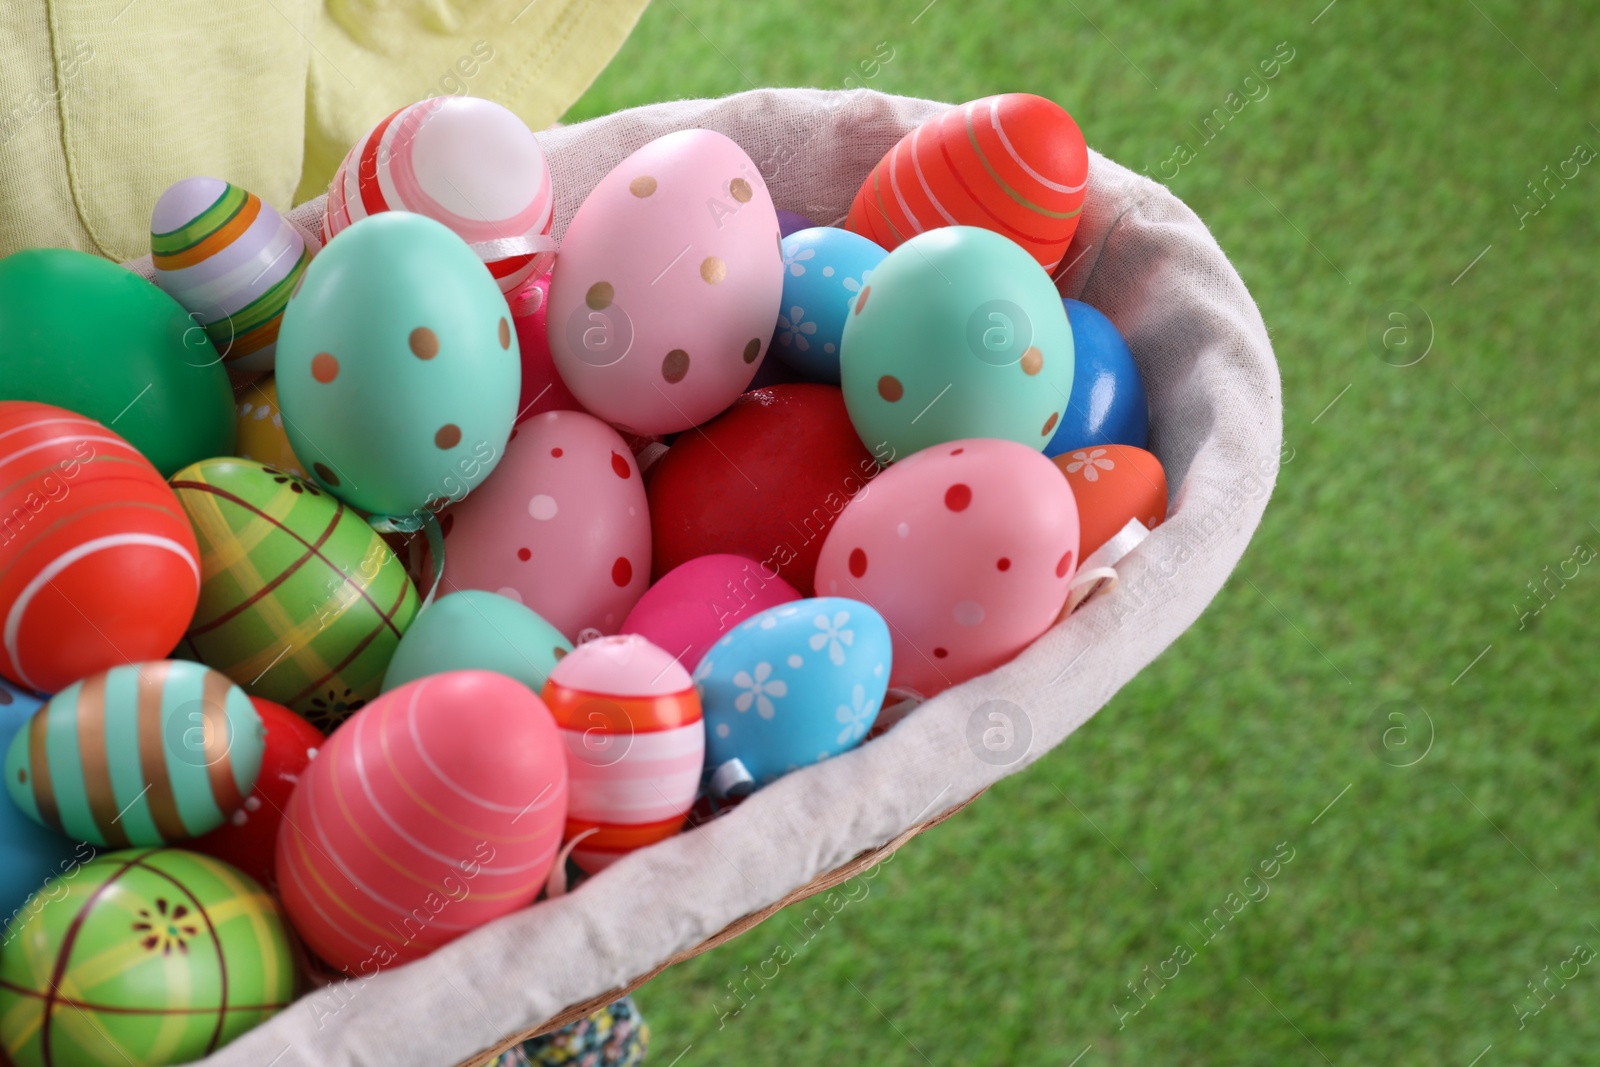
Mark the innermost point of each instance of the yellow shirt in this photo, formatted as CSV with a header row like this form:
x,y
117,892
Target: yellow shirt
x,y
104,103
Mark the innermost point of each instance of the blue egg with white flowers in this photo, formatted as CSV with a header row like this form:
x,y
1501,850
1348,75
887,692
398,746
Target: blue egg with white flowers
x,y
1108,405
30,854
789,687
824,270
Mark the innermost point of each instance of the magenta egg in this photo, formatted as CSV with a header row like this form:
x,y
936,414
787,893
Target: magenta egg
x,y
431,811
562,527
542,388
697,602
965,549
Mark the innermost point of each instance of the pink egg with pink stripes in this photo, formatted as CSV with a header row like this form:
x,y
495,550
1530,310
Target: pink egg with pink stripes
x,y
468,163
433,810
635,741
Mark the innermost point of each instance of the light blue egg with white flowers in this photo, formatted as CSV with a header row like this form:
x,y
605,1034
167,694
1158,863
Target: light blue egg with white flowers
x,y
790,687
824,270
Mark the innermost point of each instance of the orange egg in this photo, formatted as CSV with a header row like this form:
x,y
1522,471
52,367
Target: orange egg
x,y
1113,483
261,435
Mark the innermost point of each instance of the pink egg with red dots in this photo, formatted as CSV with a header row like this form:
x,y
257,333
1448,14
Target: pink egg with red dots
x,y
965,549
563,527
667,287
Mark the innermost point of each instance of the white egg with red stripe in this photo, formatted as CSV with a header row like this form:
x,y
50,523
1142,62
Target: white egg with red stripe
x,y
468,163
635,741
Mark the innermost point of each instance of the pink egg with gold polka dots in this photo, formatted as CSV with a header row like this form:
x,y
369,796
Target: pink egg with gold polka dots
x,y
667,287
562,527
965,549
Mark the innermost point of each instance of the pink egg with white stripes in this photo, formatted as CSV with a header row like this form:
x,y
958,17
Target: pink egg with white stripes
x,y
433,810
667,287
636,743
966,549
563,526
468,163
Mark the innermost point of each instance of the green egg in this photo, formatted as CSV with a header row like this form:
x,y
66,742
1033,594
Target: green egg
x,y
84,334
477,630
958,333
398,369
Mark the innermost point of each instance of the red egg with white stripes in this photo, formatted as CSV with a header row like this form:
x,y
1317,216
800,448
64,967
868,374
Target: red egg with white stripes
x,y
98,563
636,744
1014,163
436,808
468,163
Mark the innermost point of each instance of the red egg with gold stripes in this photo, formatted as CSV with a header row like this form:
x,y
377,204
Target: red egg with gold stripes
x,y
635,741
1014,163
98,565
468,163
142,754
435,809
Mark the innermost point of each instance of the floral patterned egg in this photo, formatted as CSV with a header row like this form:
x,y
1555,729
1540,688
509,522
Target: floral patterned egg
x,y
663,297
563,527
261,434
790,687
1113,485
824,271
966,548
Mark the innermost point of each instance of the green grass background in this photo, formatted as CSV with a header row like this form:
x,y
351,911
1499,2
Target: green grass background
x,y
1399,545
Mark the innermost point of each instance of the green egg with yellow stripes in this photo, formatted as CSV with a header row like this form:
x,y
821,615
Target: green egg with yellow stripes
x,y
141,957
301,602
143,754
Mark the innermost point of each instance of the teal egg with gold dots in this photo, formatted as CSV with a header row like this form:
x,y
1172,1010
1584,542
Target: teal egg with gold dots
x,y
398,369
958,333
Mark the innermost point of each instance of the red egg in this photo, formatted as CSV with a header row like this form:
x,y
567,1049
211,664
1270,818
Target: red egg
x,y
431,811
542,388
98,563
1015,164
249,839
1112,485
764,480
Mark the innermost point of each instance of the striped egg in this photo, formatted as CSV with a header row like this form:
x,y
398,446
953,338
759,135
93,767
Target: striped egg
x,y
142,754
98,566
468,163
301,602
232,261
437,808
261,434
630,718
1014,163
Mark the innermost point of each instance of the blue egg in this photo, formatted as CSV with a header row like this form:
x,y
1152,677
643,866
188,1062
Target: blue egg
x,y
1108,404
790,687
29,853
824,270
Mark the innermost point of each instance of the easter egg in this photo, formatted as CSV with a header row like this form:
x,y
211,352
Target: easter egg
x,y
791,222
249,839
966,549
959,334
475,630
542,388
1113,485
261,436
563,529
790,687
1108,404
398,369
765,480
664,295
1014,163
231,261
630,718
468,163
300,601
84,334
437,808
824,271
143,754
697,602
98,565
147,957
30,854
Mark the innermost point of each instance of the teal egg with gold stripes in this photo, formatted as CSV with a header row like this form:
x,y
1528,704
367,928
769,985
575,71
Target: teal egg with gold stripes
x,y
142,754
233,262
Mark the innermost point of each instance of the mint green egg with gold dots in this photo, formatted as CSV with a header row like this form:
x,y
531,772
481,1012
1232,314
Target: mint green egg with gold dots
x,y
959,333
398,369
